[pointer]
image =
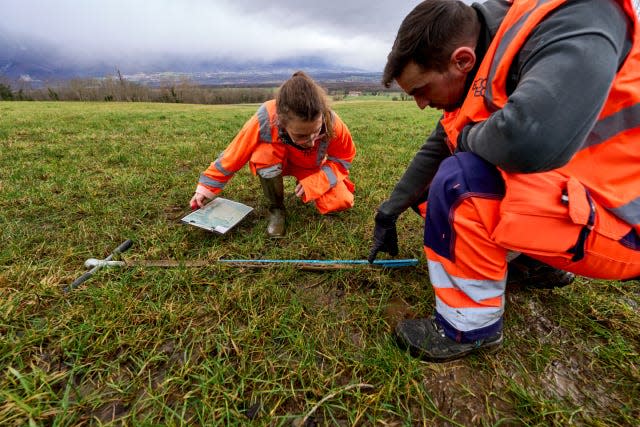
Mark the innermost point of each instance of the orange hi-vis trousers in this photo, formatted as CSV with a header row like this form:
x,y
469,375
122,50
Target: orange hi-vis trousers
x,y
473,219
321,185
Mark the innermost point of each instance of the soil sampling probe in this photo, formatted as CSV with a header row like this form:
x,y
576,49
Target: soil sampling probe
x,y
95,264
302,264
124,246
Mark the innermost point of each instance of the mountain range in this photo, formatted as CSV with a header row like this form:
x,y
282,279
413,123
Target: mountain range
x,y
39,63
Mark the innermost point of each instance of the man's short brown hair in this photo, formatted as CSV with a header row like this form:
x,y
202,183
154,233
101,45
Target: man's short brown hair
x,y
428,35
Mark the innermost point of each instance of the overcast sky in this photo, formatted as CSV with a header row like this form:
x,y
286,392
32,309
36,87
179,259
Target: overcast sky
x,y
356,33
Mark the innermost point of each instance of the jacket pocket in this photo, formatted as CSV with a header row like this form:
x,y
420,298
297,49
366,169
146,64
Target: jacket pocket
x,y
548,214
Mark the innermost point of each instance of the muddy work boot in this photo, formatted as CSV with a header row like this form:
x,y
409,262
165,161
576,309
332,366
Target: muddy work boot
x,y
273,189
530,273
426,339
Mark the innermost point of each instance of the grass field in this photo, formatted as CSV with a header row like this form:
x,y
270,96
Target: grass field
x,y
234,346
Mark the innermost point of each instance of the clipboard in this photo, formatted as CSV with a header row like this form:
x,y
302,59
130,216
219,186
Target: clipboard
x,y
219,215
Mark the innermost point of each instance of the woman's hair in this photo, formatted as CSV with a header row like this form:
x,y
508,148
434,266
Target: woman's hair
x,y
303,99
428,36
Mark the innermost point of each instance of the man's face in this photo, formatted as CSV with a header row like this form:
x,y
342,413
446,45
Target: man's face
x,y
441,90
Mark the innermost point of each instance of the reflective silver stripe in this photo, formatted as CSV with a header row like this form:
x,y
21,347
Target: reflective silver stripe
x,y
265,123
477,290
322,150
469,319
208,182
506,40
607,128
344,163
270,171
629,213
330,175
221,169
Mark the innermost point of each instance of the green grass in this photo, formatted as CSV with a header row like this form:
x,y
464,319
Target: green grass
x,y
382,96
210,346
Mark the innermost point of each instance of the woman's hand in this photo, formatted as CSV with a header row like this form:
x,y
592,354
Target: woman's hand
x,y
299,190
197,201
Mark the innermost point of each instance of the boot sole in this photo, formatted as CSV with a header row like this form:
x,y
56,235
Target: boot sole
x,y
419,353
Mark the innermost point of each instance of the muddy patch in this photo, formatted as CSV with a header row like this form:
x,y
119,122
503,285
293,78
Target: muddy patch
x,y
396,310
460,392
175,213
573,376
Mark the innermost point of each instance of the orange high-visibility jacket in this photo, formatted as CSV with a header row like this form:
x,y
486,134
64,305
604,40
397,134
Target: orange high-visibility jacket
x,y
608,162
319,169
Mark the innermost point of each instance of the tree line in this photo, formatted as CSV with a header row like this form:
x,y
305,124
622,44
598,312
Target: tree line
x,y
121,90
118,89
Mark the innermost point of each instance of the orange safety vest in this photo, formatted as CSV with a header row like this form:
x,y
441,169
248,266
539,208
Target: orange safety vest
x,y
319,169
612,149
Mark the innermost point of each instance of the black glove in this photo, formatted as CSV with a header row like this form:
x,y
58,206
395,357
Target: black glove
x,y
385,236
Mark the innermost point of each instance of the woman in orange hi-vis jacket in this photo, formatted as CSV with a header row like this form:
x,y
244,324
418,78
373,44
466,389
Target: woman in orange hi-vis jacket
x,y
298,135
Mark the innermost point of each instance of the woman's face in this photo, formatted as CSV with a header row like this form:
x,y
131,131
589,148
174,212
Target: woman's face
x,y
305,133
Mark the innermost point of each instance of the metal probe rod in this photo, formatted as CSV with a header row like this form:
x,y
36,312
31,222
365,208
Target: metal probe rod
x,y
122,248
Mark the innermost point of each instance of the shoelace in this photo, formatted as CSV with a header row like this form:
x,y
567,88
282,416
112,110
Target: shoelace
x,y
438,328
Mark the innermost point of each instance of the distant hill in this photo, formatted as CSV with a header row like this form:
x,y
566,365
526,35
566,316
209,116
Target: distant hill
x,y
39,63
252,75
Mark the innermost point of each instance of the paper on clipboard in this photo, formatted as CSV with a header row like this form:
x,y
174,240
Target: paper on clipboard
x,y
219,215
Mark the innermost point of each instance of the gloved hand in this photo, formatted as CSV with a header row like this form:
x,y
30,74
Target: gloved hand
x,y
385,236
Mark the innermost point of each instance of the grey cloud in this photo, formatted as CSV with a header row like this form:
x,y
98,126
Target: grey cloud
x,y
380,18
354,33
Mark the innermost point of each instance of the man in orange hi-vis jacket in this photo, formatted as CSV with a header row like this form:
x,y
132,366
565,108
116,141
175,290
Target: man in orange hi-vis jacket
x,y
296,134
538,153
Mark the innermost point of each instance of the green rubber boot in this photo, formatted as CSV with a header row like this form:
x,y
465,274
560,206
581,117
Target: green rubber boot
x,y
273,189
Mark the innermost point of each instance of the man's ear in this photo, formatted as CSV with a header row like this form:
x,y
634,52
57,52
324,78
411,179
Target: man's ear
x,y
463,59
